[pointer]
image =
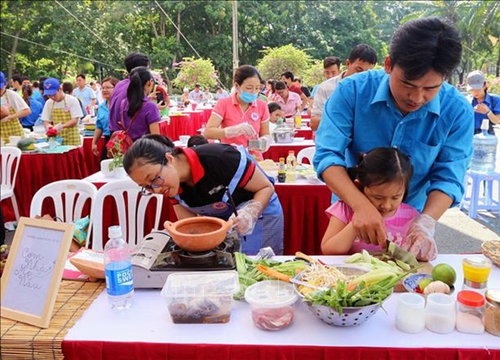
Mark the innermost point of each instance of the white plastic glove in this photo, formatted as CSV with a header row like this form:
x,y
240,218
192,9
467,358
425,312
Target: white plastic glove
x,y
240,129
265,141
420,238
58,127
247,217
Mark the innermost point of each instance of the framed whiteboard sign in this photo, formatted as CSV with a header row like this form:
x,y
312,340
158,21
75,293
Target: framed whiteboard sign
x,y
32,274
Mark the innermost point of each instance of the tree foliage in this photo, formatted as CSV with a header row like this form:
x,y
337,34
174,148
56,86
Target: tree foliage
x,y
285,58
195,71
61,38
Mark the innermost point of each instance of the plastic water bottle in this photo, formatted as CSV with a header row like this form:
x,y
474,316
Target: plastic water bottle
x,y
118,269
485,149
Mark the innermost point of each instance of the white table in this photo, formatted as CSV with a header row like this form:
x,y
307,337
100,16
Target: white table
x,y
148,324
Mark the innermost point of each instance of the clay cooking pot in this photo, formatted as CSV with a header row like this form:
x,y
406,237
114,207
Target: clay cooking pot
x,y
200,233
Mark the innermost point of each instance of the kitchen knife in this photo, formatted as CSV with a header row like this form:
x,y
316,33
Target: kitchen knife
x,y
399,253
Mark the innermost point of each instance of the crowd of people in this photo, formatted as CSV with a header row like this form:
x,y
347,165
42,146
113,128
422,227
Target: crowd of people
x,y
367,123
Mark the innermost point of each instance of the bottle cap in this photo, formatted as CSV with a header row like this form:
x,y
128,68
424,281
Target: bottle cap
x,y
493,296
470,298
115,231
291,152
485,125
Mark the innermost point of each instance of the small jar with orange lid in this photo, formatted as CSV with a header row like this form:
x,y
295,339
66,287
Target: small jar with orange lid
x,y
470,312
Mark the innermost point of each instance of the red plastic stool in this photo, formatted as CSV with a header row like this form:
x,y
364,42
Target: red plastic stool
x,y
476,202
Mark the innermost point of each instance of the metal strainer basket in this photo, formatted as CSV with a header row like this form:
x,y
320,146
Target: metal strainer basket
x,y
351,316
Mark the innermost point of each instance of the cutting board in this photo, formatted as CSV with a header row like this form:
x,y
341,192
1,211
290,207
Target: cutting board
x,y
425,269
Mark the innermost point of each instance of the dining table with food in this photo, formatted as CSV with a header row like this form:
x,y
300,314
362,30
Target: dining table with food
x,y
314,307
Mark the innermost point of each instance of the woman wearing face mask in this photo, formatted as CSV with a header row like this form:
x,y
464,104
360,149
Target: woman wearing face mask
x,y
242,117
200,181
138,115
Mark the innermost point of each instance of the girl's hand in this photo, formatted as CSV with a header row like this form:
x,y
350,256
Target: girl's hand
x,y
420,238
94,149
162,106
369,225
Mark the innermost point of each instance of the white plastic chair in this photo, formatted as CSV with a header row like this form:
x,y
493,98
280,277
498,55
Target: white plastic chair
x,y
307,153
69,198
11,157
131,208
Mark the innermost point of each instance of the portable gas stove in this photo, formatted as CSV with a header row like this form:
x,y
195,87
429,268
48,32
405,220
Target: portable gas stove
x,y
174,259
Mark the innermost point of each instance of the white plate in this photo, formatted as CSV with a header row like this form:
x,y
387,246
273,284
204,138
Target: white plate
x,y
298,139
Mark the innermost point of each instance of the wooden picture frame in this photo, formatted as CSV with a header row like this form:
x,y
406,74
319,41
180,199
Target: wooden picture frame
x,y
33,272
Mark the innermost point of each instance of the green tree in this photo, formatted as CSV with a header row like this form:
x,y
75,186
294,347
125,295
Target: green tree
x,y
285,58
196,71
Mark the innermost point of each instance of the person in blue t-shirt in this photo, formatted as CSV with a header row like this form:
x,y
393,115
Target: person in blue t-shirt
x,y
485,104
409,105
36,108
102,122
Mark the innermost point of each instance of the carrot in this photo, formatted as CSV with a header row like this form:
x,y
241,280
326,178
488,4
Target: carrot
x,y
273,273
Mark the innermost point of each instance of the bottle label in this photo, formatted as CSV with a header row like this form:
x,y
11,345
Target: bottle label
x,y
119,278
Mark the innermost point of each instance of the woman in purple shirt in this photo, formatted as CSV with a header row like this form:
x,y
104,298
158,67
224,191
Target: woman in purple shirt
x,y
138,115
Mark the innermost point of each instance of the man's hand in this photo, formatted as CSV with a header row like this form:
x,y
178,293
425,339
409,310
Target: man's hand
x,y
420,238
369,225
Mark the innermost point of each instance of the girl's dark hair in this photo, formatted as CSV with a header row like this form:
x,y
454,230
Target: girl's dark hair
x,y
196,140
245,72
135,92
67,87
273,107
27,92
382,165
271,82
149,149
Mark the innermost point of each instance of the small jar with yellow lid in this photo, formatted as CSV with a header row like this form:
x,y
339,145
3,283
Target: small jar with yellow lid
x,y
492,312
476,272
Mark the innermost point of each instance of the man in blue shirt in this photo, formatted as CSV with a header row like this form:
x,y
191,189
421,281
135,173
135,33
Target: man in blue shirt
x,y
409,105
85,94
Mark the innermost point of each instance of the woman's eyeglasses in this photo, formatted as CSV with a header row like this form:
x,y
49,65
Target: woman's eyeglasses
x,y
155,184
107,87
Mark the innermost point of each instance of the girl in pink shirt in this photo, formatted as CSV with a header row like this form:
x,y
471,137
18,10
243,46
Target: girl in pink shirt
x,y
383,175
242,117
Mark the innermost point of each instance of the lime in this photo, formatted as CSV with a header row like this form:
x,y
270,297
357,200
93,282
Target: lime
x,y
444,273
423,283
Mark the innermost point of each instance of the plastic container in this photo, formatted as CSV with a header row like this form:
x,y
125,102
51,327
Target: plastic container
x,y
470,312
410,313
440,313
492,312
272,304
118,270
485,148
476,272
203,297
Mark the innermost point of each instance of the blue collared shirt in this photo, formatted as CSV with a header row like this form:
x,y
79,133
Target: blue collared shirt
x,y
493,102
102,121
360,115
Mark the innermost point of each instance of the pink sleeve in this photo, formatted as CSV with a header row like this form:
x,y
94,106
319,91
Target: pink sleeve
x,y
341,211
220,108
265,111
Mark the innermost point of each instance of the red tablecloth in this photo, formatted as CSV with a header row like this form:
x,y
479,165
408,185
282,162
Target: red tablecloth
x,y
304,214
179,125
277,151
93,162
305,133
37,170
125,350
